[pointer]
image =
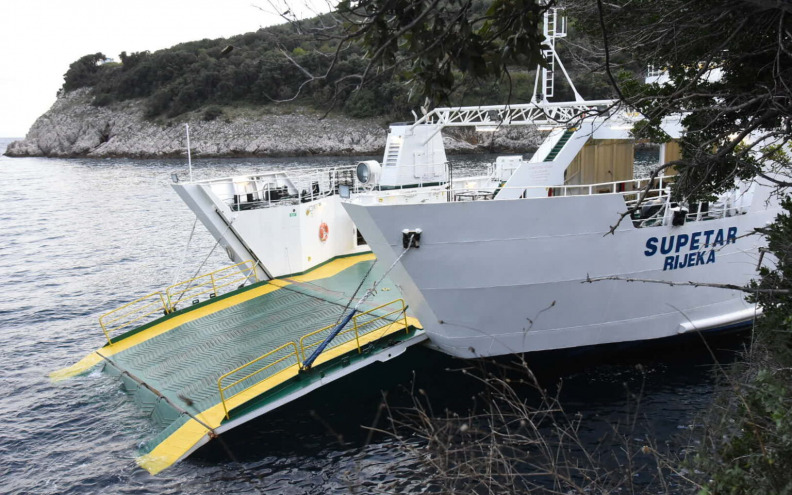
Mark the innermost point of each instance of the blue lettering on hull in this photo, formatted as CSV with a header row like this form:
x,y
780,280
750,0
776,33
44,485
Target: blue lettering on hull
x,y
688,250
688,260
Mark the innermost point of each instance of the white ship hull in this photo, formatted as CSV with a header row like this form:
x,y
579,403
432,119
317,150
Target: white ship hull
x,y
500,277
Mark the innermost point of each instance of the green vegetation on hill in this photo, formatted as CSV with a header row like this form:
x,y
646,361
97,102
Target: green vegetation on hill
x,y
203,75
192,75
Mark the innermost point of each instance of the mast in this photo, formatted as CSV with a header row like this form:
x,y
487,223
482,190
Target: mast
x,y
554,27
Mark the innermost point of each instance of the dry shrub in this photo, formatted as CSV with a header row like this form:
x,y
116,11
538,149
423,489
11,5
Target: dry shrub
x,y
518,439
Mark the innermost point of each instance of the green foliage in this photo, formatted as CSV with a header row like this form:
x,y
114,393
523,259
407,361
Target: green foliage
x,y
86,71
190,76
462,52
754,452
442,45
363,105
748,446
745,42
775,285
736,126
129,62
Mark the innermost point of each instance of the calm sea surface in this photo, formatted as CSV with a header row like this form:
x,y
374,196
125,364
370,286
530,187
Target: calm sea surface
x,y
79,237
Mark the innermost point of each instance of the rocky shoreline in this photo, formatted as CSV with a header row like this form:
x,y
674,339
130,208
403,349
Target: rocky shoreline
x,y
73,128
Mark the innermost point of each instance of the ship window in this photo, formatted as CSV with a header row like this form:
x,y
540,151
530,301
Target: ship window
x,y
344,191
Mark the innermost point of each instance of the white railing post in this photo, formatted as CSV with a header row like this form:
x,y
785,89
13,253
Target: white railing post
x,y
189,156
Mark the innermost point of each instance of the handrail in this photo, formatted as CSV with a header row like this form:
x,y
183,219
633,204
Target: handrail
x,y
355,327
299,352
593,189
136,312
208,283
290,174
223,389
297,194
108,327
566,190
303,347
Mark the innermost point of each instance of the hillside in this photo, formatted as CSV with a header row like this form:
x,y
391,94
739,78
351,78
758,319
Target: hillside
x,y
245,95
73,127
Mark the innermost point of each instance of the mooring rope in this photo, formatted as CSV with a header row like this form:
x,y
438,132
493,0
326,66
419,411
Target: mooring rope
x,y
184,254
195,275
369,292
354,294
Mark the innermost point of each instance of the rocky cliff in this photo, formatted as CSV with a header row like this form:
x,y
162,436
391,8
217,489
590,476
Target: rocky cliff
x,y
75,128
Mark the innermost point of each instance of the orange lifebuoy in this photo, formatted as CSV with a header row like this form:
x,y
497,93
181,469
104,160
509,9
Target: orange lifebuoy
x,y
323,231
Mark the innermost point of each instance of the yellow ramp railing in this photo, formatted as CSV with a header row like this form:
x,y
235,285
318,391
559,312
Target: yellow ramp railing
x,y
141,310
235,380
135,312
315,338
212,283
239,380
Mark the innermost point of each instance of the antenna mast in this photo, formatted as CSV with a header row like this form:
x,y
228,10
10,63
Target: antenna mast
x,y
555,26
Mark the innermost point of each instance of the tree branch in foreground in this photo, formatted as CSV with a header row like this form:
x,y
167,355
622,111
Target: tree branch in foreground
x,y
741,288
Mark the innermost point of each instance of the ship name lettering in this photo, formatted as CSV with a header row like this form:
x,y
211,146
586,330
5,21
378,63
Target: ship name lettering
x,y
686,250
689,259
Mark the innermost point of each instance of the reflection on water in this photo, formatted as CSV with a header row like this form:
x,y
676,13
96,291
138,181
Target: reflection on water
x,y
82,236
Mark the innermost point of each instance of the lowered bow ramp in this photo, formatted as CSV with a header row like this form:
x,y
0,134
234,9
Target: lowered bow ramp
x,y
203,370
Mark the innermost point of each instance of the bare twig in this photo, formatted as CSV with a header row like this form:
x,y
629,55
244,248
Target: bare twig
x,y
742,288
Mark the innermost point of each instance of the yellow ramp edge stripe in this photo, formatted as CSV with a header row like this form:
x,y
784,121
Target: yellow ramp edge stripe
x,y
180,442
332,268
77,368
327,270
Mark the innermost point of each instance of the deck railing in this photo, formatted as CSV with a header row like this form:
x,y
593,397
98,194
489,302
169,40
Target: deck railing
x,y
315,338
631,189
292,173
656,204
245,373
278,188
136,312
213,283
151,306
241,379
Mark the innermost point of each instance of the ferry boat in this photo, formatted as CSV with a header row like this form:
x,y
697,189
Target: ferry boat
x,y
505,260
545,264
544,259
520,259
